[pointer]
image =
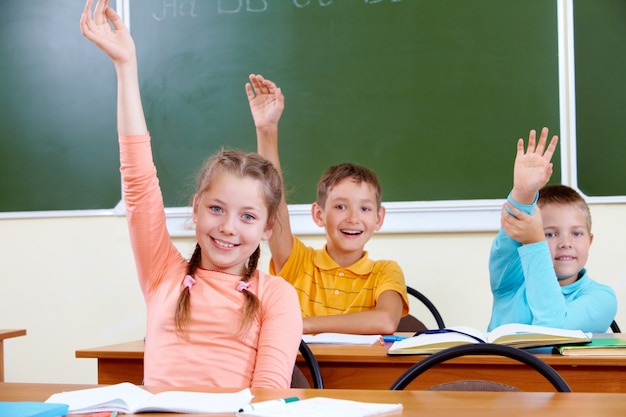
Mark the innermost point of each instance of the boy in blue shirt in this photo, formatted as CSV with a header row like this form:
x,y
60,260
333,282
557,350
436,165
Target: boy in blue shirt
x,y
537,260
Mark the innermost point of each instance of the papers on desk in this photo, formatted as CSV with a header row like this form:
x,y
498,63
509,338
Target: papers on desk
x,y
130,399
342,339
327,407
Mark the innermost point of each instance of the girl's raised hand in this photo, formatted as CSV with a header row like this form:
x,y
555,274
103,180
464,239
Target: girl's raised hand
x,y
266,101
105,28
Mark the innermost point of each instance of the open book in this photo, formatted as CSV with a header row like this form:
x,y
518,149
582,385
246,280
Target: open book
x,y
130,399
326,407
597,347
342,339
515,335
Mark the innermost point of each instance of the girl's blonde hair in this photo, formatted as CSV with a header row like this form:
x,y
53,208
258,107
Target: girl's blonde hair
x,y
242,165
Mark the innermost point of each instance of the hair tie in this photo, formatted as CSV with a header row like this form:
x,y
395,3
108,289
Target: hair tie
x,y
188,282
241,285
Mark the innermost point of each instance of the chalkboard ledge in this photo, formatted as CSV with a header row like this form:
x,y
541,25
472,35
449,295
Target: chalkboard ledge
x,y
401,217
446,216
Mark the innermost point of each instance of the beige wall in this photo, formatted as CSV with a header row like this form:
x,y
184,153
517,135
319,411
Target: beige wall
x,y
71,283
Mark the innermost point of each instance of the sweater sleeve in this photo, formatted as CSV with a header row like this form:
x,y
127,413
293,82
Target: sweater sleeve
x,y
145,213
505,271
279,337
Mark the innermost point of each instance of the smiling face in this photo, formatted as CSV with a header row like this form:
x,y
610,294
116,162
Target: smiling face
x,y
350,216
567,232
231,220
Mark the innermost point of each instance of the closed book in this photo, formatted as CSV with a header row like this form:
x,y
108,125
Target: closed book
x,y
597,347
32,409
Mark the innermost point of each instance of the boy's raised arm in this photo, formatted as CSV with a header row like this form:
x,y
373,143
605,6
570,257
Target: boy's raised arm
x,y
266,105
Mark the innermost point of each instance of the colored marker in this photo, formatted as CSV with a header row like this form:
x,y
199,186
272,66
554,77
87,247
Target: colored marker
x,y
393,338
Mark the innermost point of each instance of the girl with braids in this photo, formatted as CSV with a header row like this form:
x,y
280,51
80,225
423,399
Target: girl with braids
x,y
214,320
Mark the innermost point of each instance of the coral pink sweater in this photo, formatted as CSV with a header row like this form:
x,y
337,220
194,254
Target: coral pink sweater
x,y
216,353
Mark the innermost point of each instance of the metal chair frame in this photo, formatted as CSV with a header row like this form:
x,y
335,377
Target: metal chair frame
x,y
520,355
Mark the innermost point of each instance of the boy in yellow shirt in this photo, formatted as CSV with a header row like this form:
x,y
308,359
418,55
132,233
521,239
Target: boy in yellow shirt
x,y
340,289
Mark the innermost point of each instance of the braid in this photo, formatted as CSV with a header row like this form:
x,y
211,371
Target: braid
x,y
181,317
252,305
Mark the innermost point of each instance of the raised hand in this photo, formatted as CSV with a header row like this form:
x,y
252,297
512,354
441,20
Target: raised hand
x,y
115,40
532,168
266,101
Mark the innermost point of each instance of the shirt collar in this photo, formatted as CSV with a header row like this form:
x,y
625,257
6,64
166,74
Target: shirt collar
x,y
324,262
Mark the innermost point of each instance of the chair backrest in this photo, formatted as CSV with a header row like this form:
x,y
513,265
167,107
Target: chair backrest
x,y
410,323
481,349
298,380
614,327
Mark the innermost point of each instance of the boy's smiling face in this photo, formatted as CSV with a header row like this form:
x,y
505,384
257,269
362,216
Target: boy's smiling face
x,y
351,217
568,237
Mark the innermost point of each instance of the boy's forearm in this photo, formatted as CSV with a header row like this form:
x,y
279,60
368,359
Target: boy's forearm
x,y
365,322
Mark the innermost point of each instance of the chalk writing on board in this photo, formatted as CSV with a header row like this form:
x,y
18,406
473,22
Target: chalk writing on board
x,y
187,8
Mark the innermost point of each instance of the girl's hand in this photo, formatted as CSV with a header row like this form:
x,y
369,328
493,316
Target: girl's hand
x,y
266,101
114,41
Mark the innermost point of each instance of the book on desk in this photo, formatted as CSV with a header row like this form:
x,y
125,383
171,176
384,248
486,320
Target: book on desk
x,y
129,398
32,409
514,334
598,347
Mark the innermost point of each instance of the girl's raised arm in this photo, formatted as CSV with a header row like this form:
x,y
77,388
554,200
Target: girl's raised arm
x,y
105,29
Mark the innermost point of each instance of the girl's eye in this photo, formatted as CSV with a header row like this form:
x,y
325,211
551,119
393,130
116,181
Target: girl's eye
x,y
248,217
577,234
549,235
215,209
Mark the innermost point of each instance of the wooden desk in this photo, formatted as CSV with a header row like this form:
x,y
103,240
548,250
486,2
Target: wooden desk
x,y
369,367
7,334
414,403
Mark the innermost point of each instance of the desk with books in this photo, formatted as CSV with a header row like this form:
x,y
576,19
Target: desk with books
x,y
436,403
369,367
7,334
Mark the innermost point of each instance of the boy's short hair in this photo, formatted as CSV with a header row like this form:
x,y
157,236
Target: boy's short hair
x,y
337,173
564,195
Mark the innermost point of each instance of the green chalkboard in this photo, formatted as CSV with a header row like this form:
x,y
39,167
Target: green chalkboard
x,y
600,56
58,146
431,94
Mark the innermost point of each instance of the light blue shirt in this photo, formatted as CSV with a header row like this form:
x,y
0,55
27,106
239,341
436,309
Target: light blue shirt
x,y
526,290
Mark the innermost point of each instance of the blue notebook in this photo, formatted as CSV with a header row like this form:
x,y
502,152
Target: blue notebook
x,y
32,409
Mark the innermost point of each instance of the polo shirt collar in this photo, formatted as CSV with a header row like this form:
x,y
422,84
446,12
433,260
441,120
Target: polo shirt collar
x,y
324,262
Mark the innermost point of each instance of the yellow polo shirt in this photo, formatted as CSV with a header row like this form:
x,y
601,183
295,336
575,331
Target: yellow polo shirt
x,y
324,288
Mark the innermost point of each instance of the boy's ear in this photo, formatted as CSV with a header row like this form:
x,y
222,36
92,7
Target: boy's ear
x,y
318,214
380,218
